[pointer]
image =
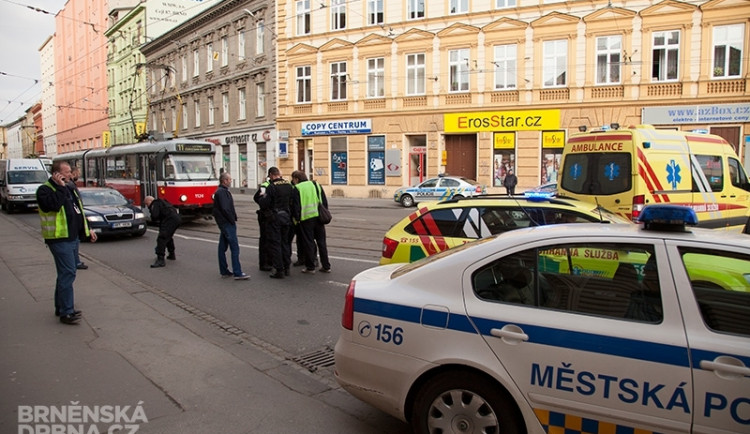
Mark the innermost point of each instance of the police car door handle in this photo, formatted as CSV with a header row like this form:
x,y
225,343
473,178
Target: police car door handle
x,y
726,366
511,334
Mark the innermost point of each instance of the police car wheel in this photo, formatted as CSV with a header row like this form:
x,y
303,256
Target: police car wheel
x,y
407,201
463,401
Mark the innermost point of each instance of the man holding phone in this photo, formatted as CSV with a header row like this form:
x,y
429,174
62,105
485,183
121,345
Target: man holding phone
x,y
63,226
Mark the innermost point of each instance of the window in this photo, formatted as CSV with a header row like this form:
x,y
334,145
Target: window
x,y
338,14
719,283
260,90
304,84
197,105
303,17
666,56
260,37
505,66
458,64
184,111
184,67
241,45
224,51
737,173
338,81
555,64
728,50
339,161
211,110
224,107
415,9
561,277
209,57
501,4
376,77
608,52
374,12
415,74
713,174
241,96
196,63
459,6
597,173
376,160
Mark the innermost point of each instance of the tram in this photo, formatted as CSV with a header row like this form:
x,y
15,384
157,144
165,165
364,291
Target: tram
x,y
180,171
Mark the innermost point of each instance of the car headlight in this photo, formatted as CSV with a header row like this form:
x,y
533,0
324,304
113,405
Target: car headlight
x,y
183,198
95,218
140,215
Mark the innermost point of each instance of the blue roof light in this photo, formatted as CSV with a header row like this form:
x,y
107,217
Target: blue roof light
x,y
667,217
538,196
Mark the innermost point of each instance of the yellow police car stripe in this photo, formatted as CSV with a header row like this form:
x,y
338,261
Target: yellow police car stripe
x,y
561,423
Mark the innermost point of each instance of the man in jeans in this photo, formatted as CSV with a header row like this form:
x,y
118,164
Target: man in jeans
x,y
226,219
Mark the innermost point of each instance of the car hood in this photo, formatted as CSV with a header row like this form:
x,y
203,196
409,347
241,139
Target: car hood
x,y
109,209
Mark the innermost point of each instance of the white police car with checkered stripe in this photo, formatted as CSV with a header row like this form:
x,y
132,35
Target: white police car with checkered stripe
x,y
566,328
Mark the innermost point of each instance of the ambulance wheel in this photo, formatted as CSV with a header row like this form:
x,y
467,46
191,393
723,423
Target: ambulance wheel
x,y
464,401
407,201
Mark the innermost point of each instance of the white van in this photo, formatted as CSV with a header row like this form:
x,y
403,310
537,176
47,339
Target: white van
x,y
19,180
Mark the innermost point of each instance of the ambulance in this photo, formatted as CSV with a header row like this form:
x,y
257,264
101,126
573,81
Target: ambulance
x,y
625,169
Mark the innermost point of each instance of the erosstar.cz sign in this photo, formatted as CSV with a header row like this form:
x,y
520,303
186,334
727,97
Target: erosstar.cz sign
x,y
519,120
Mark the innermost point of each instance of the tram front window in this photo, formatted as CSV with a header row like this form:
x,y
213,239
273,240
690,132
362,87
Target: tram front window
x,y
190,167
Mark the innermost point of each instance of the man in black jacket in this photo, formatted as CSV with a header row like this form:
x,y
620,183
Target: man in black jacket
x,y
276,201
166,215
226,218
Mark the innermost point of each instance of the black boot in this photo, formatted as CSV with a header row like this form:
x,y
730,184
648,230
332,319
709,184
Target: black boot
x,y
171,256
159,262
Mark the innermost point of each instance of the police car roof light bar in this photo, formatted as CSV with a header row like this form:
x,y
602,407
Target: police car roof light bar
x,y
667,217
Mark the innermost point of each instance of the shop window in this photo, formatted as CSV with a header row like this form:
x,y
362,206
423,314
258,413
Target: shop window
x,y
504,156
376,160
339,166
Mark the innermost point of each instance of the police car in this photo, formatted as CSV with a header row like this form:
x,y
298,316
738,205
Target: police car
x,y
578,329
439,188
439,226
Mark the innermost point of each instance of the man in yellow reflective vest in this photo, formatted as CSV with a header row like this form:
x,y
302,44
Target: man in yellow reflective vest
x,y
305,199
63,226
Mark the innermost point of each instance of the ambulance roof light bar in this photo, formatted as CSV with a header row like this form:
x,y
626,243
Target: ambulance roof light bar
x,y
667,217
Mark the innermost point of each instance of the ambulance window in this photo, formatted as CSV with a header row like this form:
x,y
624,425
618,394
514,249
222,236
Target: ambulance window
x,y
721,287
607,280
737,173
713,173
613,173
438,222
597,173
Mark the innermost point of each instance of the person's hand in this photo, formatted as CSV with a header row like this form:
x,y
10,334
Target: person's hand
x,y
93,237
58,178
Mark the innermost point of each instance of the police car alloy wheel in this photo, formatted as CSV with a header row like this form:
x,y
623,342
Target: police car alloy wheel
x,y
464,402
407,201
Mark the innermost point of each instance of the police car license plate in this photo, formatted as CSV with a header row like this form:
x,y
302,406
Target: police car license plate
x,y
122,225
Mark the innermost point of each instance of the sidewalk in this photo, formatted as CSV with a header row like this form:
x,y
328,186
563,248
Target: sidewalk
x,y
134,348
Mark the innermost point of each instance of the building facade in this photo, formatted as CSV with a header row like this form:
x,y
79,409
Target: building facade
x,y
80,50
49,110
126,75
213,78
378,94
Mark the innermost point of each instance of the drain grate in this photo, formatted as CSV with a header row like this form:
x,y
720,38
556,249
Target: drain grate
x,y
319,359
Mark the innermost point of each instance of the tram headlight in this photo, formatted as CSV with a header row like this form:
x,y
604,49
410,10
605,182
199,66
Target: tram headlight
x,y
183,198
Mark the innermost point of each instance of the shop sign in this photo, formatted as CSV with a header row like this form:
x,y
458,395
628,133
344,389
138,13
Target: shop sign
x,y
517,120
327,128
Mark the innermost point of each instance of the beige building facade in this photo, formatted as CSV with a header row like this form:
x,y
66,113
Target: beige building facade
x,y
375,95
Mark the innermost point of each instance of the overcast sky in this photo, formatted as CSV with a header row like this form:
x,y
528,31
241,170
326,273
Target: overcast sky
x,y
22,33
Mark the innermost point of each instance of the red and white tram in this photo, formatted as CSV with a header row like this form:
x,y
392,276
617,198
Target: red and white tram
x,y
181,171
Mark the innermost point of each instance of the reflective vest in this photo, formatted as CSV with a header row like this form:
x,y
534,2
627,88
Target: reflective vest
x,y
55,223
308,199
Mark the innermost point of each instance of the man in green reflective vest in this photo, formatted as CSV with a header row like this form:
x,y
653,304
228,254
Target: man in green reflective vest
x,y
305,199
63,226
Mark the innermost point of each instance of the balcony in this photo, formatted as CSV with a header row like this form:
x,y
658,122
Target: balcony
x,y
562,94
661,90
334,107
504,97
607,92
458,99
726,87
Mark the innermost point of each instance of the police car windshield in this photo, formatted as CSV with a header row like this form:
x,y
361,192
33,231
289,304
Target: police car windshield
x,y
406,268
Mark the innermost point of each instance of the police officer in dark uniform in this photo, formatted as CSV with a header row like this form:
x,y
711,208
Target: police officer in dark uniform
x,y
166,215
264,220
277,199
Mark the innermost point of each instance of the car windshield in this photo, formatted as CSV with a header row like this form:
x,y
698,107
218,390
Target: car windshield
x,y
102,197
406,268
27,177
